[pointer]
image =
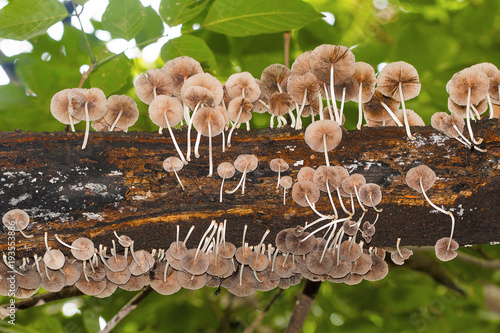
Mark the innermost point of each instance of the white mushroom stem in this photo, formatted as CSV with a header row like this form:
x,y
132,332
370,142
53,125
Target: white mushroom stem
x,y
165,272
188,154
71,124
197,145
315,210
299,112
405,116
298,123
22,232
360,107
442,211
102,258
36,263
212,224
211,163
241,275
11,266
328,102
179,180
393,116
320,103
248,125
352,204
260,244
188,234
326,151
271,122
274,259
490,105
46,242
175,141
342,204
476,113
279,177
331,200
133,254
242,181
284,261
341,112
332,95
397,247
334,222
284,195
67,245
84,270
328,241
312,117
292,119
217,240
221,187
340,235
114,250
223,142
373,205
359,201
87,126
234,127
116,121
186,113
283,121
468,115
47,273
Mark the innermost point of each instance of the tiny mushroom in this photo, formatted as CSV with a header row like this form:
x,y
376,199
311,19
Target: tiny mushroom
x,y
323,136
278,165
225,170
244,163
286,183
122,112
59,107
16,220
174,164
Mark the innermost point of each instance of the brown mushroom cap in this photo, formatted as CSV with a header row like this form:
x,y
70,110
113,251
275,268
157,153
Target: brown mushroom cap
x,y
226,250
328,129
208,81
395,73
180,69
302,64
96,273
16,218
278,165
219,269
370,194
118,277
274,75
340,268
286,182
400,260
59,107
108,291
23,293
436,120
226,170
296,246
350,251
243,82
470,78
301,189
128,108
95,99
324,56
246,161
375,111
248,284
192,282
56,282
315,266
447,123
153,81
135,283
280,103
165,106
488,68
284,271
306,83
362,265
145,260
172,163
209,115
30,280
72,271
195,266
244,255
461,110
260,262
85,246
351,87
364,74
356,180
493,87
378,270
53,259
444,253
233,109
170,285
326,174
422,172
196,95
306,173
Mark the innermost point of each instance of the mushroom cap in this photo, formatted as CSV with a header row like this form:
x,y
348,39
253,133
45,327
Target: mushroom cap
x,y
172,163
470,78
301,189
421,172
364,74
54,259
351,87
10,218
436,120
326,55
56,282
400,260
328,129
124,104
493,87
487,67
266,282
175,263
350,227
98,273
30,280
192,282
413,118
368,229
85,246
315,266
343,173
286,182
72,271
296,246
136,283
340,268
238,83
117,263
313,107
195,95
244,255
222,267
447,123
284,271
356,180
370,194
298,84
195,266
125,241
350,252
280,240
226,250
108,291
223,112
95,100
248,284
374,110
302,64
362,265
208,115
306,173
378,270
248,161
168,287
101,125
59,106
280,103
259,263
278,165
461,110
233,109
180,69
326,174
166,106
226,170
118,277
153,80
274,75
393,74
145,260
205,80
442,251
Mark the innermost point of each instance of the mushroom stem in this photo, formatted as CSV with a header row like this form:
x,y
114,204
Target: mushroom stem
x,y
271,122
36,263
179,180
490,105
397,247
188,154
84,270
284,195
340,235
331,200
320,103
360,107
327,102
47,273
334,222
67,245
292,119
279,177
374,207
71,123
241,275
22,232
342,204
133,255
165,272
476,113
260,244
188,234
299,112
248,125
341,112
221,186
102,258
203,238
217,240
326,152
352,204
116,121
175,141
46,242
274,259
87,127
186,113
468,115
236,124
315,210
393,116
332,95
328,241
211,165
11,267
197,145
442,211
359,201
283,121
223,141
242,181
298,123
405,116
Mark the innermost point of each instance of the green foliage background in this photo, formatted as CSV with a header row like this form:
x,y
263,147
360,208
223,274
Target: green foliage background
x,y
439,37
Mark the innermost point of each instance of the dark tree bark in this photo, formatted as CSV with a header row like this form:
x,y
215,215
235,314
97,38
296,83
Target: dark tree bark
x,y
118,184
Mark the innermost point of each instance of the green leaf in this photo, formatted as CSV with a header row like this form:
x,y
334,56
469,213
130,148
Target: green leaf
x,y
181,11
113,75
152,28
23,19
191,46
244,18
124,18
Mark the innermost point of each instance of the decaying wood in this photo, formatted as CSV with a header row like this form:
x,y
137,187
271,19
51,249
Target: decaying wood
x,y
118,184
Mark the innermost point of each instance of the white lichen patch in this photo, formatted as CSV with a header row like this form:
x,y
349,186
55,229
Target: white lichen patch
x,y
291,148
432,139
15,201
12,174
369,165
53,180
459,210
115,173
297,163
93,216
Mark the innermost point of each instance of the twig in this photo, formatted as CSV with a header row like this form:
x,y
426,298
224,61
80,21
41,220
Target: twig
x,y
491,264
131,305
303,306
92,56
41,299
286,38
259,318
85,75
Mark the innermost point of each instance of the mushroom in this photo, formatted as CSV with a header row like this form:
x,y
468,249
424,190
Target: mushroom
x,y
381,108
364,75
445,249
323,136
153,83
244,163
306,193
400,255
208,122
371,195
345,91
243,85
174,164
166,111
286,183
278,165
399,80
239,111
303,89
494,93
274,78
16,220
225,170
351,185
53,259
89,104
180,69
421,179
59,108
306,173
195,262
280,104
122,112
493,74
327,179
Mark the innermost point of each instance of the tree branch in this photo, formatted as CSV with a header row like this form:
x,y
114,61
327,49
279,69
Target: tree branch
x,y
303,306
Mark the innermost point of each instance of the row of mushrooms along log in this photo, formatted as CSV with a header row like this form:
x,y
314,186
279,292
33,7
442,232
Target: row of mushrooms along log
x,y
117,113
215,263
